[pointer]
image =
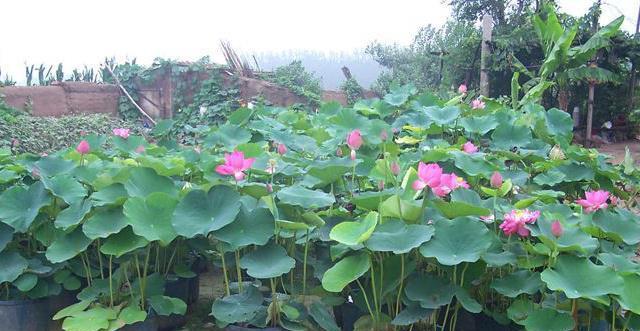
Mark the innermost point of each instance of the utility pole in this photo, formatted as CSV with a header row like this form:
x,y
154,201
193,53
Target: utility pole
x,y
632,83
487,28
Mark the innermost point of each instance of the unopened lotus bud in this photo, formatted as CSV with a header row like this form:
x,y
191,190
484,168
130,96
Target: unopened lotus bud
x,y
269,188
556,153
384,135
395,168
496,180
556,228
381,185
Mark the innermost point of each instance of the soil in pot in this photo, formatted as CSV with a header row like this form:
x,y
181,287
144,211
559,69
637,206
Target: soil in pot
x,y
25,315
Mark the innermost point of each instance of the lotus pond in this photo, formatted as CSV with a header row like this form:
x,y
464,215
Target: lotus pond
x,y
404,213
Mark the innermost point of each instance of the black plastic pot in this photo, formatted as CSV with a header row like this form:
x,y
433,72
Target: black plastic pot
x,y
346,315
194,289
150,324
177,288
242,328
24,315
56,304
171,322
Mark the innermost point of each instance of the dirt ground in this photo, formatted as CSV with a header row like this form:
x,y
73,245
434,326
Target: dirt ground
x,y
617,150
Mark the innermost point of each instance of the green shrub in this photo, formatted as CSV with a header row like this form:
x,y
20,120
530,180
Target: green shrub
x,y
297,79
47,134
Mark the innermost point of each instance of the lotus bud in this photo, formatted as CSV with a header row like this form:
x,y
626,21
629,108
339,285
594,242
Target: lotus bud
x,y
282,149
395,168
496,180
383,135
83,147
381,185
269,188
556,153
556,228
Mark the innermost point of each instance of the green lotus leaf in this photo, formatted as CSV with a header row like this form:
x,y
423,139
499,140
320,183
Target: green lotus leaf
x,y
249,228
94,319
7,176
621,226
518,282
309,199
150,217
573,238
431,292
399,95
323,317
292,226
398,237
371,200
268,261
65,187
507,136
71,216
473,164
353,233
13,265
19,206
165,306
229,136
130,144
547,319
574,172
559,124
460,240
6,235
53,166
312,219
104,223
331,170
443,116
238,308
629,299
345,271
114,194
199,213
72,309
26,282
456,209
581,278
122,242
479,124
67,246
144,181
520,309
395,207
619,263
467,301
411,314
132,314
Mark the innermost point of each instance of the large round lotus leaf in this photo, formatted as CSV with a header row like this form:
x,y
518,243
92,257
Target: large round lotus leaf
x,y
65,187
629,298
429,291
129,144
330,170
479,124
150,217
411,314
547,319
396,207
255,227
268,261
144,181
67,246
312,219
398,237
572,238
620,226
238,308
104,223
309,199
200,212
507,136
26,282
131,314
52,166
460,240
514,284
321,315
620,263
371,200
399,94
114,194
13,265
229,135
520,309
71,216
467,301
579,277
94,319
20,206
166,306
473,164
455,209
442,116
6,235
345,271
353,233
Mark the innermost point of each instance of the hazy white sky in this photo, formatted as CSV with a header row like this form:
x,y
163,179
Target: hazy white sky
x,y
78,32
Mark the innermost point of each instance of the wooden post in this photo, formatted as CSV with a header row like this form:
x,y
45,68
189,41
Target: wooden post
x,y
487,28
592,88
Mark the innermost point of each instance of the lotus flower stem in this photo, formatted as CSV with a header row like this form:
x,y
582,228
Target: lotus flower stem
x,y
373,289
224,270
304,264
110,283
238,271
366,299
99,258
401,284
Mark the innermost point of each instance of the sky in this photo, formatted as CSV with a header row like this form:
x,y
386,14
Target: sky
x,y
83,32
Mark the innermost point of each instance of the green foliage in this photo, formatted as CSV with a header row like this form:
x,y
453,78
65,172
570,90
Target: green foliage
x,y
297,79
352,89
48,134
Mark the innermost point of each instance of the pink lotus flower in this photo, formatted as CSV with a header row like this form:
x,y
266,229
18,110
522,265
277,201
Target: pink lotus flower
x,y
83,147
121,132
383,135
462,89
594,200
469,147
354,139
140,149
496,180
395,168
269,188
381,185
477,104
556,228
515,221
428,175
488,218
234,165
448,183
614,200
282,149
